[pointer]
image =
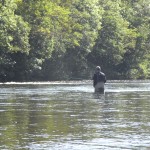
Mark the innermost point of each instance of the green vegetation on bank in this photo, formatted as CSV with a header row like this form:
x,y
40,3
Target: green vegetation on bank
x,y
61,40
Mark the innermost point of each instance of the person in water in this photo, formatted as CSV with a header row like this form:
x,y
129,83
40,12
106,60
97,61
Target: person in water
x,y
99,80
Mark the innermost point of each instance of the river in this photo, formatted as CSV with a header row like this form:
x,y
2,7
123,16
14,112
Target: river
x,y
70,116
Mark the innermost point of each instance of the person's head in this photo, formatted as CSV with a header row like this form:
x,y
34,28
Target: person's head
x,y
98,69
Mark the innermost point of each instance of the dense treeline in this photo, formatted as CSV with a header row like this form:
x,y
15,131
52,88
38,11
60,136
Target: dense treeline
x,y
66,39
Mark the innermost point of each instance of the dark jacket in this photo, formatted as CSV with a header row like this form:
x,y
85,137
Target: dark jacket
x,y
99,77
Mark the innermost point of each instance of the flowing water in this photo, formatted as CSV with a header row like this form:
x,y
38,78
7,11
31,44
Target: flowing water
x,y
70,116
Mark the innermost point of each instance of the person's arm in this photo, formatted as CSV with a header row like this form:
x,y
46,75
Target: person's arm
x,y
105,79
94,80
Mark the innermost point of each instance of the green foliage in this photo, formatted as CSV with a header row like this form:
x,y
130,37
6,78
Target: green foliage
x,y
114,38
55,39
46,20
120,47
14,36
137,57
87,14
84,24
14,31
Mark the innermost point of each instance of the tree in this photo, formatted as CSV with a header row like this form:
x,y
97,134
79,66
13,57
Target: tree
x,y
85,21
136,59
88,14
114,38
14,37
51,29
67,38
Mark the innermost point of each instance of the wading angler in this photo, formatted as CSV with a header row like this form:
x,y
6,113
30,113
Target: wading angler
x,y
99,80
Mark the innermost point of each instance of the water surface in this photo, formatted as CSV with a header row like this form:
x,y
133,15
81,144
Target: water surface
x,y
68,115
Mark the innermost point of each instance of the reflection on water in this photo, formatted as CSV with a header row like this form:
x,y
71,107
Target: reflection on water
x,y
64,116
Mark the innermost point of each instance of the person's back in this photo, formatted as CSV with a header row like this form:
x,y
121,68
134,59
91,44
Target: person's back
x,y
99,80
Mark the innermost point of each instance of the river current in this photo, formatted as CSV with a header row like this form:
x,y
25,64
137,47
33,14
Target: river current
x,y
70,116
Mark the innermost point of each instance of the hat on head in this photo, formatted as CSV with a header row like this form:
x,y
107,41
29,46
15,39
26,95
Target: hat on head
x,y
98,68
